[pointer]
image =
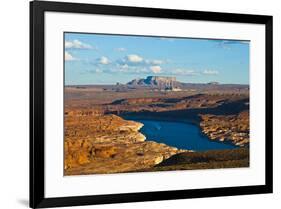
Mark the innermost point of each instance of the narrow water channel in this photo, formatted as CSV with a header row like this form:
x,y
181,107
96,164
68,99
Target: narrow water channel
x,y
179,134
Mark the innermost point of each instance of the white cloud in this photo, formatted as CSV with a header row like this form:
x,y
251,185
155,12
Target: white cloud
x,y
76,44
68,56
210,72
156,69
181,71
157,62
103,60
120,49
134,58
125,66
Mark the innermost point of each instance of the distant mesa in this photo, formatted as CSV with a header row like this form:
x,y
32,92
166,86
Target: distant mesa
x,y
161,82
170,83
153,81
166,83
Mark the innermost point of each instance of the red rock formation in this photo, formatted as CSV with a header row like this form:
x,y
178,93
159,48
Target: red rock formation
x,y
109,144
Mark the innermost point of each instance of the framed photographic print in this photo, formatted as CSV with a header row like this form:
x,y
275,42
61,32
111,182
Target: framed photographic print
x,y
135,104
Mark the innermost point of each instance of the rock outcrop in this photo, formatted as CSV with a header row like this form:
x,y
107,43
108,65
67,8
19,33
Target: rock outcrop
x,y
161,82
109,144
231,128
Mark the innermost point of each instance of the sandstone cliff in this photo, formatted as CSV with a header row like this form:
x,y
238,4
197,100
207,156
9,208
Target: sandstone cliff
x,y
230,128
109,144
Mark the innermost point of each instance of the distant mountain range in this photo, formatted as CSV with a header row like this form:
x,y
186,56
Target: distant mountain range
x,y
165,82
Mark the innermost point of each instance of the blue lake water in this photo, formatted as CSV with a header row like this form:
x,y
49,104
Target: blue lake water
x,y
179,134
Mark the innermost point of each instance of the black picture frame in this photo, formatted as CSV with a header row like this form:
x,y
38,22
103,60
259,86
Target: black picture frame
x,y
37,195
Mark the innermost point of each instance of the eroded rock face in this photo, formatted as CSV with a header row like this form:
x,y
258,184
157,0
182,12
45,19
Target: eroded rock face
x,y
109,144
233,128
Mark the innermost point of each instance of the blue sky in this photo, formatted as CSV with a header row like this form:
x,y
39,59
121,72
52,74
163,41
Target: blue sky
x,y
107,59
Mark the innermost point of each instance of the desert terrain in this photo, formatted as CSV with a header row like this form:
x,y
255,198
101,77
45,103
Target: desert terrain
x,y
98,138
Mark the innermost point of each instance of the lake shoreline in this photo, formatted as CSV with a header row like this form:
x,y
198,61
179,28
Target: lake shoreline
x,y
140,118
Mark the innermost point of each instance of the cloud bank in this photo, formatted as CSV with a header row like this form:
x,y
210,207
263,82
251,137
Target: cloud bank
x,y
68,56
76,44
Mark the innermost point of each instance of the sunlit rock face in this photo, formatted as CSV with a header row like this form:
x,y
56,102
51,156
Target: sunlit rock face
x,y
231,128
109,144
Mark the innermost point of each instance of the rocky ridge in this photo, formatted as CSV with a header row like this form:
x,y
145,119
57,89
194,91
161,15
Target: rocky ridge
x,y
231,128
